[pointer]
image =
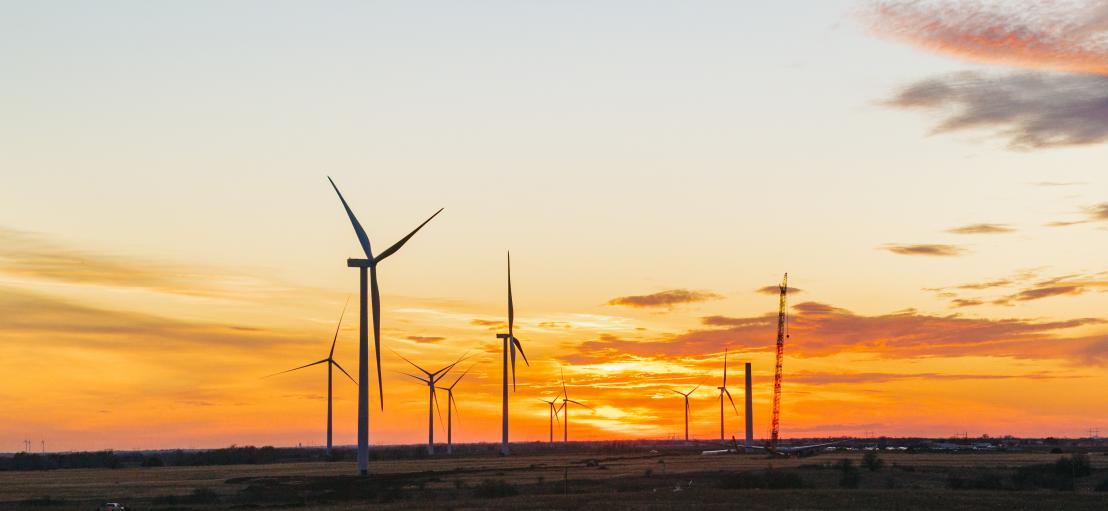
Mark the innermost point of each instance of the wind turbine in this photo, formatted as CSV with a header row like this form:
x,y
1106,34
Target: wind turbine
x,y
565,407
510,345
432,399
369,263
686,394
449,414
553,415
723,390
330,361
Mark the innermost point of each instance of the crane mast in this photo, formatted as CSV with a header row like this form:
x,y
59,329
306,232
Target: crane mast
x,y
782,334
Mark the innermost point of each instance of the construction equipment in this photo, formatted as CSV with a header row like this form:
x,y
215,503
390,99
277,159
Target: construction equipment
x,y
782,334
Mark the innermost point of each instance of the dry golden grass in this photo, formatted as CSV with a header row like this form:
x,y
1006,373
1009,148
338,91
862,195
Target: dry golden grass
x,y
619,482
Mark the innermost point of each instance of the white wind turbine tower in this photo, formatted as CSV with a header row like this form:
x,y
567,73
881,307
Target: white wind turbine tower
x,y
432,399
511,344
565,407
449,411
723,390
331,363
369,263
686,395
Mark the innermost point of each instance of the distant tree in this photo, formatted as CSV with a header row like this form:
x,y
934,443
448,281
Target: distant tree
x,y
872,461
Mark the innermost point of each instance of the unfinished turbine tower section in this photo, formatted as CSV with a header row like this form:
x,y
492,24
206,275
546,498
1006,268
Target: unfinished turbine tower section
x,y
369,266
749,411
782,334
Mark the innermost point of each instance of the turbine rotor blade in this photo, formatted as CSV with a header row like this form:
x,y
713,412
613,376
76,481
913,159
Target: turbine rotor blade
x,y
297,368
460,378
435,396
376,299
512,349
562,373
519,346
582,404
410,362
336,339
417,378
396,246
344,371
725,367
732,401
363,239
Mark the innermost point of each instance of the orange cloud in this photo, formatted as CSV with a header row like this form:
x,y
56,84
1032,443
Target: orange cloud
x,y
981,229
667,298
925,249
821,330
1035,35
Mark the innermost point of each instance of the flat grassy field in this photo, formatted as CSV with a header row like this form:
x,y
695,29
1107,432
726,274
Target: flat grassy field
x,y
671,480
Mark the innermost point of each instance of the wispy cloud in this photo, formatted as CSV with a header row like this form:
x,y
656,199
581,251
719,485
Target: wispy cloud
x,y
37,257
1069,285
667,298
981,229
1030,110
1056,36
425,339
965,302
1049,184
819,329
1097,213
775,290
925,249
821,378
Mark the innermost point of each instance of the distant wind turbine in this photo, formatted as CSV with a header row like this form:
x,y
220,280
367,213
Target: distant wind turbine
x,y
511,344
554,409
723,390
369,263
432,398
565,407
330,361
449,413
687,394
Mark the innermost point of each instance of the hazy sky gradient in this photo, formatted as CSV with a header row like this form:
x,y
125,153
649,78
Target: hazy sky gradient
x,y
167,234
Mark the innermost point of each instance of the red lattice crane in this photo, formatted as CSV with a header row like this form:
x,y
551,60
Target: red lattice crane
x,y
782,334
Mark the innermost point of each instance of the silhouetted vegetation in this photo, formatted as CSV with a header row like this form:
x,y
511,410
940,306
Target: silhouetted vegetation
x,y
872,461
493,489
769,479
850,476
980,481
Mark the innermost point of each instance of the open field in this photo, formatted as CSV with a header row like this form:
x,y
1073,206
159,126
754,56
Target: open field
x,y
669,480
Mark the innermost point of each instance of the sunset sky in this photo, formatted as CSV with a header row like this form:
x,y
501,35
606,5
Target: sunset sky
x,y
931,174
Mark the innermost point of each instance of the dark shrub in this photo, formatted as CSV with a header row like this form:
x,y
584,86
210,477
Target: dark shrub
x,y
1041,475
981,481
490,489
872,461
767,480
152,461
1074,465
851,478
1103,486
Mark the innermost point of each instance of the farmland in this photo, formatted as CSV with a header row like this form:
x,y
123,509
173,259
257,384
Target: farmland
x,y
584,479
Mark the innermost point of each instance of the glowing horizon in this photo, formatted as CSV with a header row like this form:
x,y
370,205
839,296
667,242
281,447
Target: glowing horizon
x,y
168,236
